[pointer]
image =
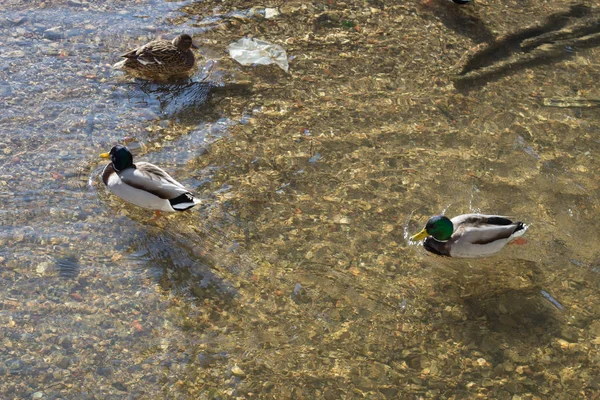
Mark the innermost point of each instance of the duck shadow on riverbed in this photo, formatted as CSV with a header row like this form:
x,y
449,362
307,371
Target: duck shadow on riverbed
x,y
189,100
174,99
188,265
502,303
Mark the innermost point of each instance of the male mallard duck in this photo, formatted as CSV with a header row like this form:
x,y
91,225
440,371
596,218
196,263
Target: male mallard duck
x,y
161,57
144,184
469,235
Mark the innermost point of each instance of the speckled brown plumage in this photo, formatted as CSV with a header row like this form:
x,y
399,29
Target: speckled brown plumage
x,y
161,57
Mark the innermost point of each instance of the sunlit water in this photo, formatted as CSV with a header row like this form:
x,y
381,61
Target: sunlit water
x,y
295,278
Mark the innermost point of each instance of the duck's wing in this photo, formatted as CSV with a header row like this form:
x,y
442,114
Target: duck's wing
x,y
132,53
480,220
486,233
483,239
483,228
153,53
152,179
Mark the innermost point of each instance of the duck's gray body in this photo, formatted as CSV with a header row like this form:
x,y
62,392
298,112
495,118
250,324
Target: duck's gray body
x,y
476,235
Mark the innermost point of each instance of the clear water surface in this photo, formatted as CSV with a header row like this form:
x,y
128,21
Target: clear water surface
x,y
295,278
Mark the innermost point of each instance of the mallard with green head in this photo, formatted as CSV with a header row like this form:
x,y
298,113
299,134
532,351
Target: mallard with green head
x,y
161,57
469,235
144,184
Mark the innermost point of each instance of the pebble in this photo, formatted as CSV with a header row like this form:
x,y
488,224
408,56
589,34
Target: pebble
x,y
569,333
13,54
37,395
105,371
342,220
119,386
18,20
42,267
237,371
54,33
363,383
271,12
482,362
563,344
487,382
66,342
595,328
14,364
63,363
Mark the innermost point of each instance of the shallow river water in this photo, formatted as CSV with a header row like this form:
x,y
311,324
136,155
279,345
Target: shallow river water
x,y
295,278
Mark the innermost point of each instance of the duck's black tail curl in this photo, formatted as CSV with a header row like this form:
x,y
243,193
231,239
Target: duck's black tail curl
x,y
183,202
520,226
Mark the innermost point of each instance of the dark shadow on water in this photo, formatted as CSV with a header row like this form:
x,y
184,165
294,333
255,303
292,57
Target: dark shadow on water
x,y
556,39
512,43
521,313
187,101
463,21
499,308
68,267
186,272
175,99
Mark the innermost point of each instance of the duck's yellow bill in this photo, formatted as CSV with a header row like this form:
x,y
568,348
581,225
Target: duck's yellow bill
x,y
419,236
104,155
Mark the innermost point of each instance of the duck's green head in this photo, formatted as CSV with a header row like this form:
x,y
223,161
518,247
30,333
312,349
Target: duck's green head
x,y
184,42
120,156
440,227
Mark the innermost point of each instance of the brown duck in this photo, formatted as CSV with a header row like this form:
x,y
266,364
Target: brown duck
x,y
161,57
